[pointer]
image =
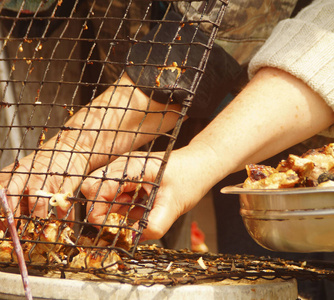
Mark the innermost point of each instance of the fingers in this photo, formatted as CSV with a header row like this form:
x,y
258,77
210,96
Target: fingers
x,y
116,192
125,198
24,182
102,191
14,186
160,219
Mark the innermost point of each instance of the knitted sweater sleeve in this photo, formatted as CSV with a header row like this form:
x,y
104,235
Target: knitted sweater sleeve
x,y
304,47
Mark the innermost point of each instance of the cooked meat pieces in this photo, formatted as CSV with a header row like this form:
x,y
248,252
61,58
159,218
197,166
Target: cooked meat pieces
x,y
269,180
323,159
326,177
328,183
41,240
302,166
295,171
6,251
53,241
96,259
54,236
8,254
115,232
257,172
310,165
115,229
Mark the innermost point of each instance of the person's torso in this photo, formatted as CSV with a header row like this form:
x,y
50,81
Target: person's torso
x,y
28,6
246,23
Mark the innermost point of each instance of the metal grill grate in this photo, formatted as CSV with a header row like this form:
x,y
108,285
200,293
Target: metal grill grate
x,y
56,58
154,265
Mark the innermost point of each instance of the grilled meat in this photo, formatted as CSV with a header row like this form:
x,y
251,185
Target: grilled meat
x,y
46,241
52,241
96,259
114,229
7,252
295,171
273,180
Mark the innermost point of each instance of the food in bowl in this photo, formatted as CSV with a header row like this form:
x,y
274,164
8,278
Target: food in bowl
x,y
313,168
290,208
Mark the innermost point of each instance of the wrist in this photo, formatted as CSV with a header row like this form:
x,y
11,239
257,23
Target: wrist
x,y
204,164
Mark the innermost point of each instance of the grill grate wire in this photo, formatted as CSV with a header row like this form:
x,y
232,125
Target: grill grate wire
x,y
55,60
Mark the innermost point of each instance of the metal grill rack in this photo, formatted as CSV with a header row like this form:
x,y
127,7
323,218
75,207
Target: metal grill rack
x,y
55,58
153,265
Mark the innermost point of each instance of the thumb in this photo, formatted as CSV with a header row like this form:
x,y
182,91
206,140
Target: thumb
x,y
160,219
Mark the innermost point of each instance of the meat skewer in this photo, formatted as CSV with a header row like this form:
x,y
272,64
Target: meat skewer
x,y
16,243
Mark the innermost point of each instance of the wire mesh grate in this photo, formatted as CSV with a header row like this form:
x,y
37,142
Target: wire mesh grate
x,y
68,107
153,265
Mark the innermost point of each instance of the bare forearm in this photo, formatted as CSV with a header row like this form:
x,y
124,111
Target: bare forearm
x,y
118,119
274,112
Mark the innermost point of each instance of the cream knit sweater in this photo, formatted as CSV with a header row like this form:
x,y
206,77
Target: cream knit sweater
x,y
304,47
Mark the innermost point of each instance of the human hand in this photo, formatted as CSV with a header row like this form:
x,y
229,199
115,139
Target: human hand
x,y
46,169
182,186
109,125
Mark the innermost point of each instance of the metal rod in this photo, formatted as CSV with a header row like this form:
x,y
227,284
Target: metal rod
x,y
16,243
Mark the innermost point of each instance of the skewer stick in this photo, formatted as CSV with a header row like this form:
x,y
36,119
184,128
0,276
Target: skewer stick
x,y
16,243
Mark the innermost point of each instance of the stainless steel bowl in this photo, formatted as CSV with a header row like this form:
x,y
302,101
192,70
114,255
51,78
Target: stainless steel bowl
x,y
288,220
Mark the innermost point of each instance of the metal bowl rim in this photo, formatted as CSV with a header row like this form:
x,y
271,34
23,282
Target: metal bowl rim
x,y
238,189
306,214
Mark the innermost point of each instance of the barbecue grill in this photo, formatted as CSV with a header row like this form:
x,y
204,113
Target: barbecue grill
x,y
55,58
